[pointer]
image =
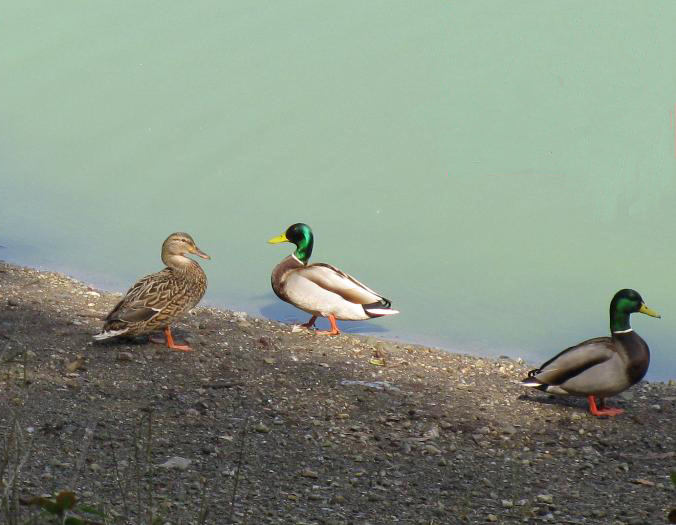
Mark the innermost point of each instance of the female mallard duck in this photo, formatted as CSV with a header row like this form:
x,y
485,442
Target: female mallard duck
x,y
604,366
156,300
321,289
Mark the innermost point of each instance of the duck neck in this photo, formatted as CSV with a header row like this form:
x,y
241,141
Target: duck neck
x,y
177,262
619,321
304,248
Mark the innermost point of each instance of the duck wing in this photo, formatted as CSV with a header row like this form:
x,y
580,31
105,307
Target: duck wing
x,y
573,361
334,280
145,299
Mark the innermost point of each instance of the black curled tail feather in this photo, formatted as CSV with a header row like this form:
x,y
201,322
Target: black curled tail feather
x,y
383,303
372,309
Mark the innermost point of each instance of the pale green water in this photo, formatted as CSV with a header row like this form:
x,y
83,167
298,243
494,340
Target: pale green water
x,y
497,170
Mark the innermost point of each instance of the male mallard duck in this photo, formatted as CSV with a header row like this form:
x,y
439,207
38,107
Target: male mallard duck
x,y
321,289
604,366
158,299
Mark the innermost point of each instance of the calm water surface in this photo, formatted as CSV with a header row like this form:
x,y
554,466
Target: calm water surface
x,y
498,171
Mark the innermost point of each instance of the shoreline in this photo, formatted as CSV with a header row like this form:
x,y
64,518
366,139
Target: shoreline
x,y
310,428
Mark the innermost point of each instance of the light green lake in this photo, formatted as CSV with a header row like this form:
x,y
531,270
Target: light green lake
x,y
498,169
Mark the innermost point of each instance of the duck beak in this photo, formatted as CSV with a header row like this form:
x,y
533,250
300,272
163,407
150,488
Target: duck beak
x,y
278,239
648,311
199,253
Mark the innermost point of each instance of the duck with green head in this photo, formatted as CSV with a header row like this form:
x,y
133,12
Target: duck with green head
x,y
600,367
321,289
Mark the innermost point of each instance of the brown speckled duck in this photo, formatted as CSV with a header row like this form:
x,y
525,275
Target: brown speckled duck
x,y
158,299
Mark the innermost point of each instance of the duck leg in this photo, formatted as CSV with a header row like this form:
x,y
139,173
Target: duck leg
x,y
602,410
310,323
334,327
170,341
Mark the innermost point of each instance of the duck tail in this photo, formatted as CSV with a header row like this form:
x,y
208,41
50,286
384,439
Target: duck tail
x,y
380,308
106,334
531,382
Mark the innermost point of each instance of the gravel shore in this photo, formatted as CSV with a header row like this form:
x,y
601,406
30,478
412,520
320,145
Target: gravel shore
x,y
264,423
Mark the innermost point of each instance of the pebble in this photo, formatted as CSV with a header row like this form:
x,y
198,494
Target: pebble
x,y
309,473
261,428
507,503
656,407
124,356
627,395
12,302
545,498
176,462
492,517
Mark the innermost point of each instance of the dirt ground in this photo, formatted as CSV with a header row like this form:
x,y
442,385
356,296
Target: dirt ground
x,y
265,424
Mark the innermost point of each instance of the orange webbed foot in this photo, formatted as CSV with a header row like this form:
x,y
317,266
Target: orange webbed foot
x,y
169,341
334,327
603,411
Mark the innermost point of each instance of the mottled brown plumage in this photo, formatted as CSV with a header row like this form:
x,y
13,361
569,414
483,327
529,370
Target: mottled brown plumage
x,y
156,300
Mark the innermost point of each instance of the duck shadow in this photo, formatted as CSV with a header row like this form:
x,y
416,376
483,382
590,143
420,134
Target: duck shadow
x,y
287,314
180,336
563,401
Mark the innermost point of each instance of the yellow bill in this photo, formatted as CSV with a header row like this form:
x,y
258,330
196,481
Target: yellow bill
x,y
278,239
648,311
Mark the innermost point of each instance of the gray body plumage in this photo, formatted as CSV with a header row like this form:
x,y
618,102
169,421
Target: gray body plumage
x,y
604,367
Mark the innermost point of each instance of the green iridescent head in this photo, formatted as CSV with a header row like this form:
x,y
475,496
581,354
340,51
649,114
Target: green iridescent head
x,y
301,235
624,303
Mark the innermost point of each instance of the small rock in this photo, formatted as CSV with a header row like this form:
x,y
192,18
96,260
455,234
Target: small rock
x,y
308,473
261,428
12,302
507,503
545,498
75,365
177,463
645,482
124,356
492,517
656,407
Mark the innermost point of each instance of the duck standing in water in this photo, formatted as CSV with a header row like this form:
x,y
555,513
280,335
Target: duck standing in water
x,y
321,289
600,367
158,299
